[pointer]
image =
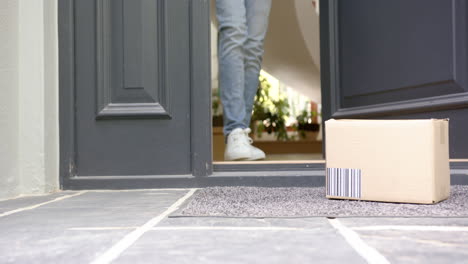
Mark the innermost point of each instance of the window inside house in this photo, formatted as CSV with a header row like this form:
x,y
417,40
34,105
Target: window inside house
x,y
286,117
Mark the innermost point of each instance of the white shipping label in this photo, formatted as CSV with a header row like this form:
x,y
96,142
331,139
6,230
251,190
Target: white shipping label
x,y
344,183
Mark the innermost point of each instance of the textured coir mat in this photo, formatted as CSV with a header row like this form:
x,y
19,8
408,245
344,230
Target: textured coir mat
x,y
309,202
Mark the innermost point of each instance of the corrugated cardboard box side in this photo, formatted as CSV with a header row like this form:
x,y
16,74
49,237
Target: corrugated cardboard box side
x,y
388,160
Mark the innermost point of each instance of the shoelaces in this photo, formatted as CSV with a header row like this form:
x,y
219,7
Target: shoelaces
x,y
247,132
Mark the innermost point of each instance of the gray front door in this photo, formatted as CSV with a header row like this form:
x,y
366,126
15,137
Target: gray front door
x,y
397,59
132,72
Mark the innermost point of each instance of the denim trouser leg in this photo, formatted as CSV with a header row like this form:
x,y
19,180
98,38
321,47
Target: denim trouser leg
x,y
242,28
231,39
257,24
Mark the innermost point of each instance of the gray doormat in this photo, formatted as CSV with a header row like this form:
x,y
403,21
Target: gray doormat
x,y
259,202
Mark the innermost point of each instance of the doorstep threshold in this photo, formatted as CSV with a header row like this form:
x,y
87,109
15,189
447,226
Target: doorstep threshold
x,y
300,178
270,162
457,166
255,166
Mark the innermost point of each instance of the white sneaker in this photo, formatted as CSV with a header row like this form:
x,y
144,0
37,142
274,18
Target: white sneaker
x,y
239,146
256,153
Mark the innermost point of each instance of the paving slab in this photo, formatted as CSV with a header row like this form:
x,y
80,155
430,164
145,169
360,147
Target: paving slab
x,y
80,228
438,221
51,245
419,246
317,245
26,201
96,209
303,223
120,199
410,240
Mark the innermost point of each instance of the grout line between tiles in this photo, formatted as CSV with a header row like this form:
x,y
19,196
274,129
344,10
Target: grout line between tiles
x,y
195,228
40,204
370,254
103,228
142,190
116,250
413,228
235,228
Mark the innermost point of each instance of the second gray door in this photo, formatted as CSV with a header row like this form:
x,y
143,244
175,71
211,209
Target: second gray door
x,y
397,59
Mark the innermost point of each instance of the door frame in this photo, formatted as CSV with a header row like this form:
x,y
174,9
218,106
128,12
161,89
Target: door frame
x,y
200,100
202,174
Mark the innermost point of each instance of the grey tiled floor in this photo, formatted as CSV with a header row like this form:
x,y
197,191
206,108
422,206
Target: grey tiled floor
x,y
133,227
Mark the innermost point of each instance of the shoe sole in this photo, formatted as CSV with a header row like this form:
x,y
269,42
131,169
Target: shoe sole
x,y
243,158
253,159
240,158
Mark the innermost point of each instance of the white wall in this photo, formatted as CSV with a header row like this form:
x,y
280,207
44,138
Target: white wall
x,y
29,109
309,26
292,51
51,97
9,111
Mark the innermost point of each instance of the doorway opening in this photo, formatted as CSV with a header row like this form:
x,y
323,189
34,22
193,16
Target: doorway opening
x,y
286,120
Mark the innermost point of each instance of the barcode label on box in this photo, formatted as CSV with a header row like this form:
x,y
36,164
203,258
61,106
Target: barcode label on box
x,y
344,182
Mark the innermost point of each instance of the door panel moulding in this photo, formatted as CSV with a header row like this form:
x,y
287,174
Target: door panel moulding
x,y
153,93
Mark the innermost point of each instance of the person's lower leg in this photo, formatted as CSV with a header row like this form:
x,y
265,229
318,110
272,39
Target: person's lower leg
x,y
231,38
257,14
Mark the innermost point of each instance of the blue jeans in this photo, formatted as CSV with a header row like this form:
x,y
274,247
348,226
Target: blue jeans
x,y
242,25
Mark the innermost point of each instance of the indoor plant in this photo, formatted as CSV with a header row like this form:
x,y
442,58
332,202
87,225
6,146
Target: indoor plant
x,y
306,127
269,115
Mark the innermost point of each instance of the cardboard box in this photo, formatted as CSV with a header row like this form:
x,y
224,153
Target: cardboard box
x,y
403,161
